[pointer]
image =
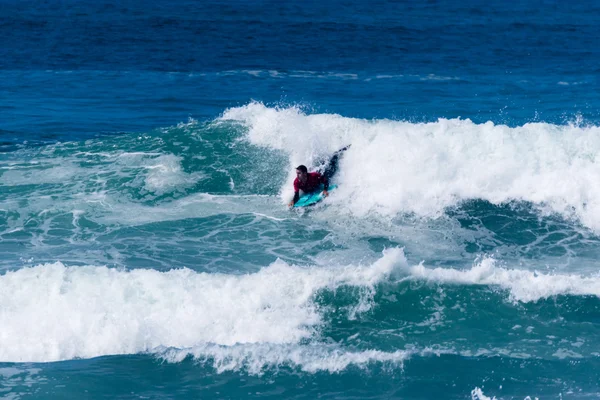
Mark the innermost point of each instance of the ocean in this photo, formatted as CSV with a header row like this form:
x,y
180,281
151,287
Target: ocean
x,y
147,154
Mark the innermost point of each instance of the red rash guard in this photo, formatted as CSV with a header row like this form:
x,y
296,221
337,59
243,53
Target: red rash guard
x,y
313,181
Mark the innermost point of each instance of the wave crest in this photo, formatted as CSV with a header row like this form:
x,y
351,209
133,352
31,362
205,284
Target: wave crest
x,y
423,168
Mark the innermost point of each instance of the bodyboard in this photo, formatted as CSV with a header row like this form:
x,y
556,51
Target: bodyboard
x,y
310,199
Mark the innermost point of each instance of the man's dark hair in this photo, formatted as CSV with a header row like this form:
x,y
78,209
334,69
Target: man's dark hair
x,y
302,168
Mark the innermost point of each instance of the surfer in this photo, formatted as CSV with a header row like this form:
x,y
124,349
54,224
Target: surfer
x,y
309,182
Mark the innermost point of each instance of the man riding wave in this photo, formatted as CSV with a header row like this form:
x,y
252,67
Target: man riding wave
x,y
309,182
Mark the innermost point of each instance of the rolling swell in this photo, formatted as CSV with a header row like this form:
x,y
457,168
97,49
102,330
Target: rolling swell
x,y
284,314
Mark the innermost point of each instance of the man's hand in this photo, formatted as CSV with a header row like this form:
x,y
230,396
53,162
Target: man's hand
x,y
325,193
291,204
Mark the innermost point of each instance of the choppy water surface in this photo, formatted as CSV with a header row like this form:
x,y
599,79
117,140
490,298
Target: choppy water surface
x,y
147,250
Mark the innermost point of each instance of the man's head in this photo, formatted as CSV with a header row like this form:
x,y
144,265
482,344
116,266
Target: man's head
x,y
301,173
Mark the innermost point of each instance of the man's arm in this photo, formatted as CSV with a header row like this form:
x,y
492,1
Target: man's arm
x,y
296,193
296,197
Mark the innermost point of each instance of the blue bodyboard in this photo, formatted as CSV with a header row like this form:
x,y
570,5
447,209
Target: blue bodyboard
x,y
310,199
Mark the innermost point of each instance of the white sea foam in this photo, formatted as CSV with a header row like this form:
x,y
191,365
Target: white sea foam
x,y
95,185
160,173
255,358
396,166
37,173
477,394
157,173
16,382
165,174
53,312
523,285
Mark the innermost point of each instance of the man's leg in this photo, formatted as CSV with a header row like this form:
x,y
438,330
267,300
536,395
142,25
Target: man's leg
x,y
332,166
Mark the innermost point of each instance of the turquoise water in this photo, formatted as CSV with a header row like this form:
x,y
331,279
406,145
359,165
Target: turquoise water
x,y
147,156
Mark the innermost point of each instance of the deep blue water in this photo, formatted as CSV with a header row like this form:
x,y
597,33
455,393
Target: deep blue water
x,y
147,151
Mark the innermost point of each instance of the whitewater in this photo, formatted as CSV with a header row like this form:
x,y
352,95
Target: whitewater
x,y
423,168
